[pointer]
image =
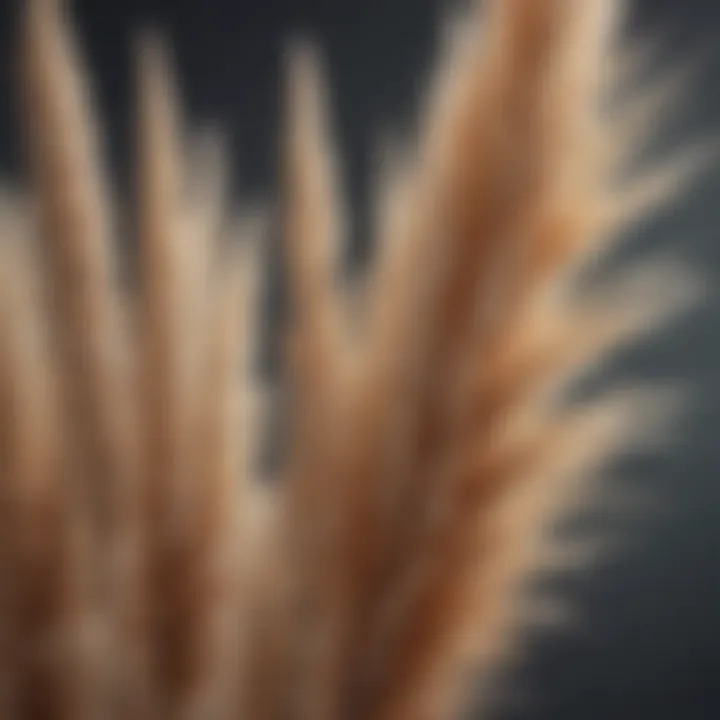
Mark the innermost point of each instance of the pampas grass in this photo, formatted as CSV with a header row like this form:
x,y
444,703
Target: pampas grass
x,y
146,570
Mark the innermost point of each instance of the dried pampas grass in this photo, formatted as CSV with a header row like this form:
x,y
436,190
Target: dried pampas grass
x,y
146,571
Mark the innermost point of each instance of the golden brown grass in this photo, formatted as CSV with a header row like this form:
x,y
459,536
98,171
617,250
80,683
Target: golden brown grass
x,y
145,571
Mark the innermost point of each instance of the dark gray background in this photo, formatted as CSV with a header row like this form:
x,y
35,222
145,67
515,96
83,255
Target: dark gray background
x,y
649,643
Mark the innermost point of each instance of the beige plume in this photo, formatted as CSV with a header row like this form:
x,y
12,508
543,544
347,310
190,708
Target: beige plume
x,y
146,569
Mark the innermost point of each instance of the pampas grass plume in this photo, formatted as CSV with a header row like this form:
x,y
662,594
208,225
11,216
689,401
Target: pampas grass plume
x,y
147,570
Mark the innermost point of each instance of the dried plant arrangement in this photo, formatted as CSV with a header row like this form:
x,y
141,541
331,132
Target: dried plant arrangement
x,y
146,569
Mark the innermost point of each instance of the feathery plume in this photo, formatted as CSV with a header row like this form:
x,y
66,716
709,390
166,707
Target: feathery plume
x,y
145,569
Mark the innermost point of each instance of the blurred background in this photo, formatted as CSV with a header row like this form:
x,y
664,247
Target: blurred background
x,y
648,640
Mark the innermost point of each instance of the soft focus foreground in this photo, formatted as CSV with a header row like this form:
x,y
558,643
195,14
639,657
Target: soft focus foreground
x,y
146,569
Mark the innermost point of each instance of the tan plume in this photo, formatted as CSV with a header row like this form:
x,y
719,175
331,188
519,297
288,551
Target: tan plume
x,y
146,568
